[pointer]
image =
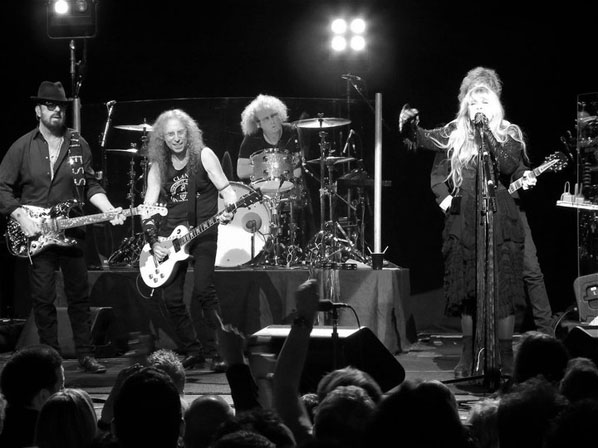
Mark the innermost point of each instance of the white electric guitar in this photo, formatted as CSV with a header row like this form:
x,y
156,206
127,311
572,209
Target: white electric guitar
x,y
54,221
157,273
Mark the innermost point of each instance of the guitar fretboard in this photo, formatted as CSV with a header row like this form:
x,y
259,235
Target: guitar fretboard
x,y
196,231
516,185
68,223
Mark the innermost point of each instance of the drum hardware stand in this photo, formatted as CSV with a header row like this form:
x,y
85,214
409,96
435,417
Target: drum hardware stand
x,y
131,185
104,134
144,162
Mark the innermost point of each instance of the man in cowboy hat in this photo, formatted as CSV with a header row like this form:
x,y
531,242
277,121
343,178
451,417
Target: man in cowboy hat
x,y
49,165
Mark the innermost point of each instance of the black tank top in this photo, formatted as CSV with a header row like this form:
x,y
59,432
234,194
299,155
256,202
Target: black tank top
x,y
174,194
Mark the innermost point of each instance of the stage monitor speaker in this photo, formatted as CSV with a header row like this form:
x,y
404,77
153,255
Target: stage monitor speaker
x,y
357,347
582,341
102,319
586,294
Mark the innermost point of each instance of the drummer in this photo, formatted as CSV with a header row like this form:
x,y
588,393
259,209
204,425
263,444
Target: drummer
x,y
264,125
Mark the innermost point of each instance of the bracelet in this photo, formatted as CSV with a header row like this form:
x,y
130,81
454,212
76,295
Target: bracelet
x,y
225,187
302,322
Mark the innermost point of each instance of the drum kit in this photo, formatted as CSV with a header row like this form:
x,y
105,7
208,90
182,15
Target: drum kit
x,y
268,232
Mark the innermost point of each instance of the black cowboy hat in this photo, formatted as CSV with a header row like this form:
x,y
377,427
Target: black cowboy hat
x,y
51,91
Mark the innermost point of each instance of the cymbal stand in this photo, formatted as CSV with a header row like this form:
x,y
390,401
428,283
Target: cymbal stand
x,y
131,193
272,249
144,162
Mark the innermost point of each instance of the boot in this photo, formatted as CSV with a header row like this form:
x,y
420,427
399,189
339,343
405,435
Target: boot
x,y
463,367
506,356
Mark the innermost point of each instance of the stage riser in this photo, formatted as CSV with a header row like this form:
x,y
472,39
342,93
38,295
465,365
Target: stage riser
x,y
254,299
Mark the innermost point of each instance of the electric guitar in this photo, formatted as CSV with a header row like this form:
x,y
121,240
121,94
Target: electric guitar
x,y
554,162
54,221
158,273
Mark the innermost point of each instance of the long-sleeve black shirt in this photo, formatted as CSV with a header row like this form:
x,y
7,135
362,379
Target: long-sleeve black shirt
x,y
25,177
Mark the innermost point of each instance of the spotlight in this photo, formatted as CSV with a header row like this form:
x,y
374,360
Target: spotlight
x,y
358,26
61,7
81,5
339,43
357,43
348,35
68,19
338,26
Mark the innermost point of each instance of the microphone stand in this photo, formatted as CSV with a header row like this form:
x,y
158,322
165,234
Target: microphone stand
x,y
335,338
253,230
110,107
359,91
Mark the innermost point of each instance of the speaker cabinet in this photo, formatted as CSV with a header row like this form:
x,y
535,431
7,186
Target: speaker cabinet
x,y
356,347
582,340
586,294
102,319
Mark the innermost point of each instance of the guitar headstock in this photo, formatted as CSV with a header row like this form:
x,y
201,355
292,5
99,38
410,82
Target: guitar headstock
x,y
250,198
149,210
557,161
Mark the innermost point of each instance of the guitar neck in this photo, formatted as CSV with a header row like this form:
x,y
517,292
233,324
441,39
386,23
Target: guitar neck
x,y
201,228
516,185
69,223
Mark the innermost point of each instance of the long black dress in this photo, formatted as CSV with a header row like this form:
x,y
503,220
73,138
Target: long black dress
x,y
459,235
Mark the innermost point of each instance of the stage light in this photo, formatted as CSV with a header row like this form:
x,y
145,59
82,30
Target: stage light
x,y
61,7
358,26
348,35
69,19
339,43
338,26
358,43
81,5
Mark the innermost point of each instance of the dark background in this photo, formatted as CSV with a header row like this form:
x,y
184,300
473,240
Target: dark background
x,y
225,52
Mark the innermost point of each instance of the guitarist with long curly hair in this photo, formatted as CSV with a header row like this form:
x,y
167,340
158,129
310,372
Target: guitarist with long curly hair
x,y
187,176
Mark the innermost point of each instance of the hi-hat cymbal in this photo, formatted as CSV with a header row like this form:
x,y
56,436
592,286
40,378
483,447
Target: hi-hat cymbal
x,y
318,123
332,160
144,127
133,152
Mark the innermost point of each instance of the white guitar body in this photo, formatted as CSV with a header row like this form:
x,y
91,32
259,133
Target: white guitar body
x,y
156,274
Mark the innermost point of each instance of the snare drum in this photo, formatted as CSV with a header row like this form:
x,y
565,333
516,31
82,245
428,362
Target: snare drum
x,y
234,238
272,170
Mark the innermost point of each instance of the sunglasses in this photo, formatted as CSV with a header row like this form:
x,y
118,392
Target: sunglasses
x,y
51,105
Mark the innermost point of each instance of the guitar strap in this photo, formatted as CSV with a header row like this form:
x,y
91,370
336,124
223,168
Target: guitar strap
x,y
75,155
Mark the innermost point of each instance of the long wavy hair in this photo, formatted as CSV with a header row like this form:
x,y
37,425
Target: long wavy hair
x,y
158,150
249,123
461,145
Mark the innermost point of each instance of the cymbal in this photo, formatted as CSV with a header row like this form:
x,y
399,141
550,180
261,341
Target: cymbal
x,y
588,119
144,127
133,152
318,123
332,160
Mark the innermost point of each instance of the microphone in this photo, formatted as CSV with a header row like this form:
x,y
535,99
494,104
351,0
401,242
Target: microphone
x,y
480,119
252,222
329,305
351,77
110,103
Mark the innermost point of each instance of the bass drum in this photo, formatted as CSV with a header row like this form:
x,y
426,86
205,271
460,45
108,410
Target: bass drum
x,y
234,238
